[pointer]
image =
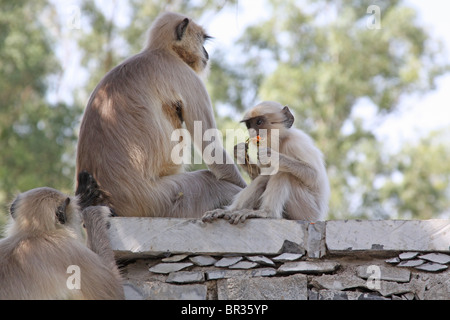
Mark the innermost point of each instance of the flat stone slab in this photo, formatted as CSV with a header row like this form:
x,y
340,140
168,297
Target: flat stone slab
x,y
227,261
244,265
388,235
186,277
308,267
384,273
437,258
133,236
175,258
169,267
239,274
408,255
285,257
261,260
432,267
411,263
156,290
280,288
203,260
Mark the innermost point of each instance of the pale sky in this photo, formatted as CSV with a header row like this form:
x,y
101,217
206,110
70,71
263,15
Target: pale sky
x,y
418,114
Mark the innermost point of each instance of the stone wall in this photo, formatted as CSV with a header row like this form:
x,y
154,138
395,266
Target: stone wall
x,y
279,259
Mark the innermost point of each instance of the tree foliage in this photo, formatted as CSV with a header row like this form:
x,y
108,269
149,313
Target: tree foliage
x,y
317,56
34,134
325,60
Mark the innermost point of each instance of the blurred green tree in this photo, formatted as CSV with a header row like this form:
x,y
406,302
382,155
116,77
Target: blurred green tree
x,y
34,134
324,59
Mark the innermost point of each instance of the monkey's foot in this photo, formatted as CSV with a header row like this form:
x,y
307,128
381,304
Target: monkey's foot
x,y
241,215
209,216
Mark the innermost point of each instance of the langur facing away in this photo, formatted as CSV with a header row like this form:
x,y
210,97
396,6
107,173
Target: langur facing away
x,y
299,190
43,255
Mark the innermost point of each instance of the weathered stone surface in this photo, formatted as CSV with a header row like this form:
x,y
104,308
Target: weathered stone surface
x,y
408,255
338,282
203,260
284,257
227,261
175,258
308,267
283,288
133,236
411,263
437,257
186,277
244,265
439,289
225,274
395,235
394,260
261,260
388,288
432,267
131,292
384,273
169,267
343,295
155,290
316,240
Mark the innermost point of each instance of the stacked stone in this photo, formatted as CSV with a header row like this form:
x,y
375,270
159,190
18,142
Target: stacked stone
x,y
233,277
431,262
280,259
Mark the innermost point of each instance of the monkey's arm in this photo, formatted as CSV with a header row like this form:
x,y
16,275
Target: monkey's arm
x,y
298,168
199,120
97,235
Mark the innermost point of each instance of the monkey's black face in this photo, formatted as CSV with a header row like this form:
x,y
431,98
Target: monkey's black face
x,y
205,53
256,123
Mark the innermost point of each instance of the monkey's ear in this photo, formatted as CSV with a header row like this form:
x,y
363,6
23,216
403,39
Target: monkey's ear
x,y
61,211
181,28
288,117
12,208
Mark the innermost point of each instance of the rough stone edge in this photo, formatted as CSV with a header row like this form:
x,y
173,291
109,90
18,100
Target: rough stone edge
x,y
333,236
345,236
149,237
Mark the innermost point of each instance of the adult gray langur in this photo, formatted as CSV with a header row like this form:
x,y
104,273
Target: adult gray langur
x,y
125,134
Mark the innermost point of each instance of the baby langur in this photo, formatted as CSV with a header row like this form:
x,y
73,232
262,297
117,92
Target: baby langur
x,y
44,257
299,190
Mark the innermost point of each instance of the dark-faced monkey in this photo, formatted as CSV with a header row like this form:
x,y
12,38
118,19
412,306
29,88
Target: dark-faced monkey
x,y
298,189
125,136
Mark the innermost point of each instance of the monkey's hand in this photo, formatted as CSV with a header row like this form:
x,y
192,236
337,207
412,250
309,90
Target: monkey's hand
x,y
209,216
88,190
240,152
240,216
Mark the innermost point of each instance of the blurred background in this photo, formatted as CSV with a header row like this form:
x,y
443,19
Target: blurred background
x,y
368,80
